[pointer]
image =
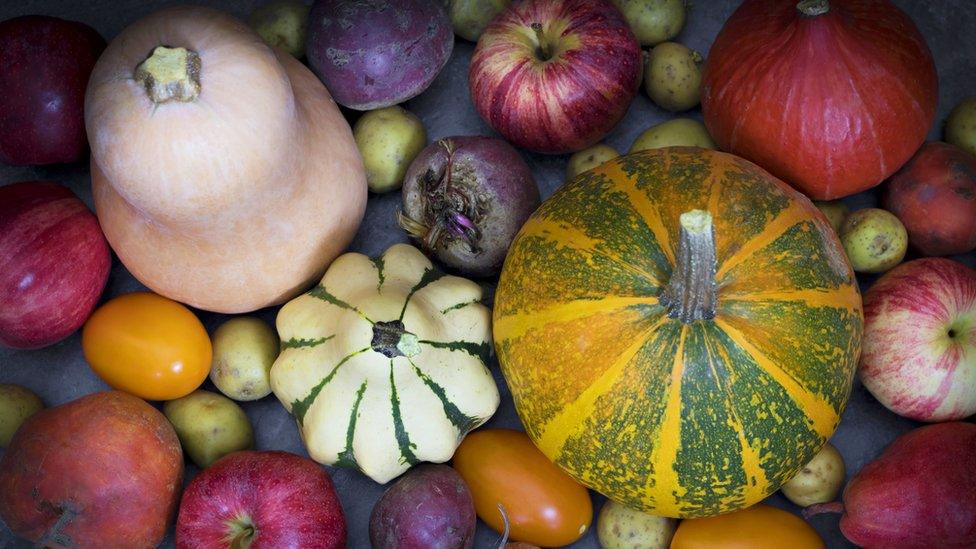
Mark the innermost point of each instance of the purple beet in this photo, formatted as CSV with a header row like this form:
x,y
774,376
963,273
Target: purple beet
x,y
376,53
429,508
465,198
920,492
45,63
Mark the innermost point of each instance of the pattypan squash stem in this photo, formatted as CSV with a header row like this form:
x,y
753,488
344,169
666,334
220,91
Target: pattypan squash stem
x,y
691,293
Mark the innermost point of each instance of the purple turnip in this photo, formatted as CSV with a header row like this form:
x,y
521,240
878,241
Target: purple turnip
x,y
464,198
429,508
920,492
376,53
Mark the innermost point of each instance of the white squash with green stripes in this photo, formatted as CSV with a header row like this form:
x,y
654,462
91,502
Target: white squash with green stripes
x,y
384,363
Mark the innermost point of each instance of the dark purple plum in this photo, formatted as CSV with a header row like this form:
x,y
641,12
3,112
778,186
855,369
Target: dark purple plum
x,y
465,198
376,53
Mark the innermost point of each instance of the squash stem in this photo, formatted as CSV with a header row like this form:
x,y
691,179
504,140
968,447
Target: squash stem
x,y
170,74
814,8
691,293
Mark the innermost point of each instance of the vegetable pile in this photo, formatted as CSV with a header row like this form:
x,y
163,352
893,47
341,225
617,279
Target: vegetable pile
x,y
641,354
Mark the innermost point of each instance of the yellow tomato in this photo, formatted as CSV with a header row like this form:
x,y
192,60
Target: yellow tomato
x,y
756,527
148,346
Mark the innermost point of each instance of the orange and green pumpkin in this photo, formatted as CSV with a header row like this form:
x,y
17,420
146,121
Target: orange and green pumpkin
x,y
679,330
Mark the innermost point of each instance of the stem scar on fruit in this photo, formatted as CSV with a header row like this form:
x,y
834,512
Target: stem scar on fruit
x,y
170,74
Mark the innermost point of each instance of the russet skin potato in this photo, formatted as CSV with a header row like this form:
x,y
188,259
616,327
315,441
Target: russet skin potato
x,y
835,211
389,139
874,239
244,348
589,158
653,21
818,481
16,405
620,527
237,199
680,132
209,425
960,129
282,23
672,76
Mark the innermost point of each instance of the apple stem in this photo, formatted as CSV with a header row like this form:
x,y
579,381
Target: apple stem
x,y
55,537
170,74
691,293
243,539
813,8
821,508
544,51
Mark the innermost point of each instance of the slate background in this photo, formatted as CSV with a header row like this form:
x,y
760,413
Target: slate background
x,y
59,373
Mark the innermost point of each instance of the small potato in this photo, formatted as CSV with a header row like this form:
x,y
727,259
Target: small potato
x,y
16,405
587,159
471,17
619,527
653,21
875,240
819,481
282,23
835,211
960,128
244,349
680,132
672,76
388,139
209,425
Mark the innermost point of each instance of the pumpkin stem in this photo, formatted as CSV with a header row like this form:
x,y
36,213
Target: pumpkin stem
x,y
391,339
170,74
691,292
813,8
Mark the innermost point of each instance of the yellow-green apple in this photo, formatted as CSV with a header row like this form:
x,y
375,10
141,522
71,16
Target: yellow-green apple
x,y
555,76
919,350
268,499
55,262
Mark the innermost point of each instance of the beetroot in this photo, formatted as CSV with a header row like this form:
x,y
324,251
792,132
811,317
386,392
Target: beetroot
x,y
45,63
464,198
377,53
430,507
920,492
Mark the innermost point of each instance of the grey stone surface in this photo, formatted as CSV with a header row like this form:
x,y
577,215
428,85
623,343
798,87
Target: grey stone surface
x,y
59,373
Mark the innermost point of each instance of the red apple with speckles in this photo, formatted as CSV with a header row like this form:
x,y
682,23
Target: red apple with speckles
x,y
934,196
918,355
45,63
55,263
555,76
261,499
101,471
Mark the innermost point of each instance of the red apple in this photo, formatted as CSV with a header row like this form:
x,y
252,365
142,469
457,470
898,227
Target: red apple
x,y
45,63
555,76
271,499
934,196
919,350
55,263
102,471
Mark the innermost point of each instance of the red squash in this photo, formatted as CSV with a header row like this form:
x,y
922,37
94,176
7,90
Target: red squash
x,y
830,96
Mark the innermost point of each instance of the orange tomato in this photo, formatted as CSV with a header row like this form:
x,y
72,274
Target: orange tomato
x,y
545,506
148,346
756,527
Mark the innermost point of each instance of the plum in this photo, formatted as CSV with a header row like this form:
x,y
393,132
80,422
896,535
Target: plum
x,y
45,63
376,53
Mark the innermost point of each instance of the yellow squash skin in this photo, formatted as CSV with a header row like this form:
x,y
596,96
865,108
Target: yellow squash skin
x,y
678,419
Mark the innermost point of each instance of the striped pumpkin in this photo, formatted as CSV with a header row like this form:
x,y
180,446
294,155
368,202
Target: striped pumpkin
x,y
679,330
383,364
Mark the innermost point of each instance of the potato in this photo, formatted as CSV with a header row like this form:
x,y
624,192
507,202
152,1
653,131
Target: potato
x,y
244,349
672,76
680,132
470,17
589,158
620,527
16,405
875,240
835,211
209,425
960,128
282,23
388,139
653,21
819,481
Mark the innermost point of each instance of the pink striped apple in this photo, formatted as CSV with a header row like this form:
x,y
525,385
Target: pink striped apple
x,y
919,350
555,76
54,263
